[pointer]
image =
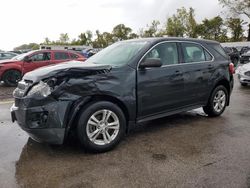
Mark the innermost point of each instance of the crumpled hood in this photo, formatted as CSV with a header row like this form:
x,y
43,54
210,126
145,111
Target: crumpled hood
x,y
69,68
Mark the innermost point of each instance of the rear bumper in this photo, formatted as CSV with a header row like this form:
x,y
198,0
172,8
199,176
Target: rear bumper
x,y
42,123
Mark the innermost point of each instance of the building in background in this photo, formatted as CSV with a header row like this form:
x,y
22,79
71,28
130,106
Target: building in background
x,y
79,48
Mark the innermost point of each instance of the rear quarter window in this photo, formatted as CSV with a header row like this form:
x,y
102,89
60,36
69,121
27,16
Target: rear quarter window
x,y
219,51
74,56
61,55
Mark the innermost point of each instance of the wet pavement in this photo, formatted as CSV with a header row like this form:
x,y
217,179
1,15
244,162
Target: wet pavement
x,y
5,92
185,150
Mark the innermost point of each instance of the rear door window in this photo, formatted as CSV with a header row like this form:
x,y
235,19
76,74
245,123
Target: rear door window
x,y
61,55
193,53
220,52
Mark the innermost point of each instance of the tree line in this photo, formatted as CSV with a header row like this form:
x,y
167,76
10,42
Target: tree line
x,y
181,24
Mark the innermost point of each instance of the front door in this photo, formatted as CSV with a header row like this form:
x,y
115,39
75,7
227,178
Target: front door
x,y
37,60
160,89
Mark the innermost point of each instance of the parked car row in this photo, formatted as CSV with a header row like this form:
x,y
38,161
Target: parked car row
x,y
12,70
89,52
245,58
242,55
233,54
7,55
244,74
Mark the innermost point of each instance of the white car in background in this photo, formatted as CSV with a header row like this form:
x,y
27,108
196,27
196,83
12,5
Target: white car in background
x,y
244,74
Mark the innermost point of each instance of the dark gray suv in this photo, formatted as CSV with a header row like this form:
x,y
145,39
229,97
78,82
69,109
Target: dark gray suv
x,y
127,83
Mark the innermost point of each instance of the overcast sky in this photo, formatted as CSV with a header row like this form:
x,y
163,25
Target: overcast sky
x,y
25,21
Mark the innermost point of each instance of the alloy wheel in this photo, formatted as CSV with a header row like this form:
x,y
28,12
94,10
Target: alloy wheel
x,y
103,127
219,101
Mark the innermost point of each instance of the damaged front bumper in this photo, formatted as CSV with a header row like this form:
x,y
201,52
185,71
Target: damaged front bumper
x,y
44,123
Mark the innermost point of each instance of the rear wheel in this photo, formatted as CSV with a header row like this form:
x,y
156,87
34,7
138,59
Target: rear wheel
x,y
217,102
11,77
243,84
101,126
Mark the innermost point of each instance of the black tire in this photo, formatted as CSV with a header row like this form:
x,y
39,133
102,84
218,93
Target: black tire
x,y
243,84
209,109
83,126
12,77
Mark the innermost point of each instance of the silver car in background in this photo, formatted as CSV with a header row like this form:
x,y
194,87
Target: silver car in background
x,y
244,74
7,55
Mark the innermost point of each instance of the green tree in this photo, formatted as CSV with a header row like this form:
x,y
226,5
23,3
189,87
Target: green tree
x,y
191,24
213,29
121,32
47,41
133,36
152,30
235,26
175,27
182,23
238,7
85,38
99,41
64,38
30,46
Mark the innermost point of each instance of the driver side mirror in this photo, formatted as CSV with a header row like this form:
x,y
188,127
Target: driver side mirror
x,y
27,59
150,62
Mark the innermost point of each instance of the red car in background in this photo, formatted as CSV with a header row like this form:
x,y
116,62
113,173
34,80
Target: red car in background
x,y
12,70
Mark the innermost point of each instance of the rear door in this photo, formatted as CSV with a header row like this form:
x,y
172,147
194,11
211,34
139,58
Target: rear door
x,y
77,57
160,89
197,67
60,56
38,59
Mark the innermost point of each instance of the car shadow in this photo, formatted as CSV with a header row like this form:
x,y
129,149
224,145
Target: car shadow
x,y
161,140
72,145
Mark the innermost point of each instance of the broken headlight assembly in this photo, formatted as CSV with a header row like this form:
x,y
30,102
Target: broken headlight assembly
x,y
41,89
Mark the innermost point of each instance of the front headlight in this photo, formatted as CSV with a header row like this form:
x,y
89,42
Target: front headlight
x,y
42,89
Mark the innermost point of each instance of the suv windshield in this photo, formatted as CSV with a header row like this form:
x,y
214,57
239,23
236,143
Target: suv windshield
x,y
21,56
117,54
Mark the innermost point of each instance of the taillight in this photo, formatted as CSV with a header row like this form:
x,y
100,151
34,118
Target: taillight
x,y
231,68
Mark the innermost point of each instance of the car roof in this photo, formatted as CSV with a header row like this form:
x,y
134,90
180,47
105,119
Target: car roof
x,y
160,39
48,50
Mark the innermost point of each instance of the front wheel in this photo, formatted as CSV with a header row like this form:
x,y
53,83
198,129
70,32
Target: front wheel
x,y
217,102
101,126
11,77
